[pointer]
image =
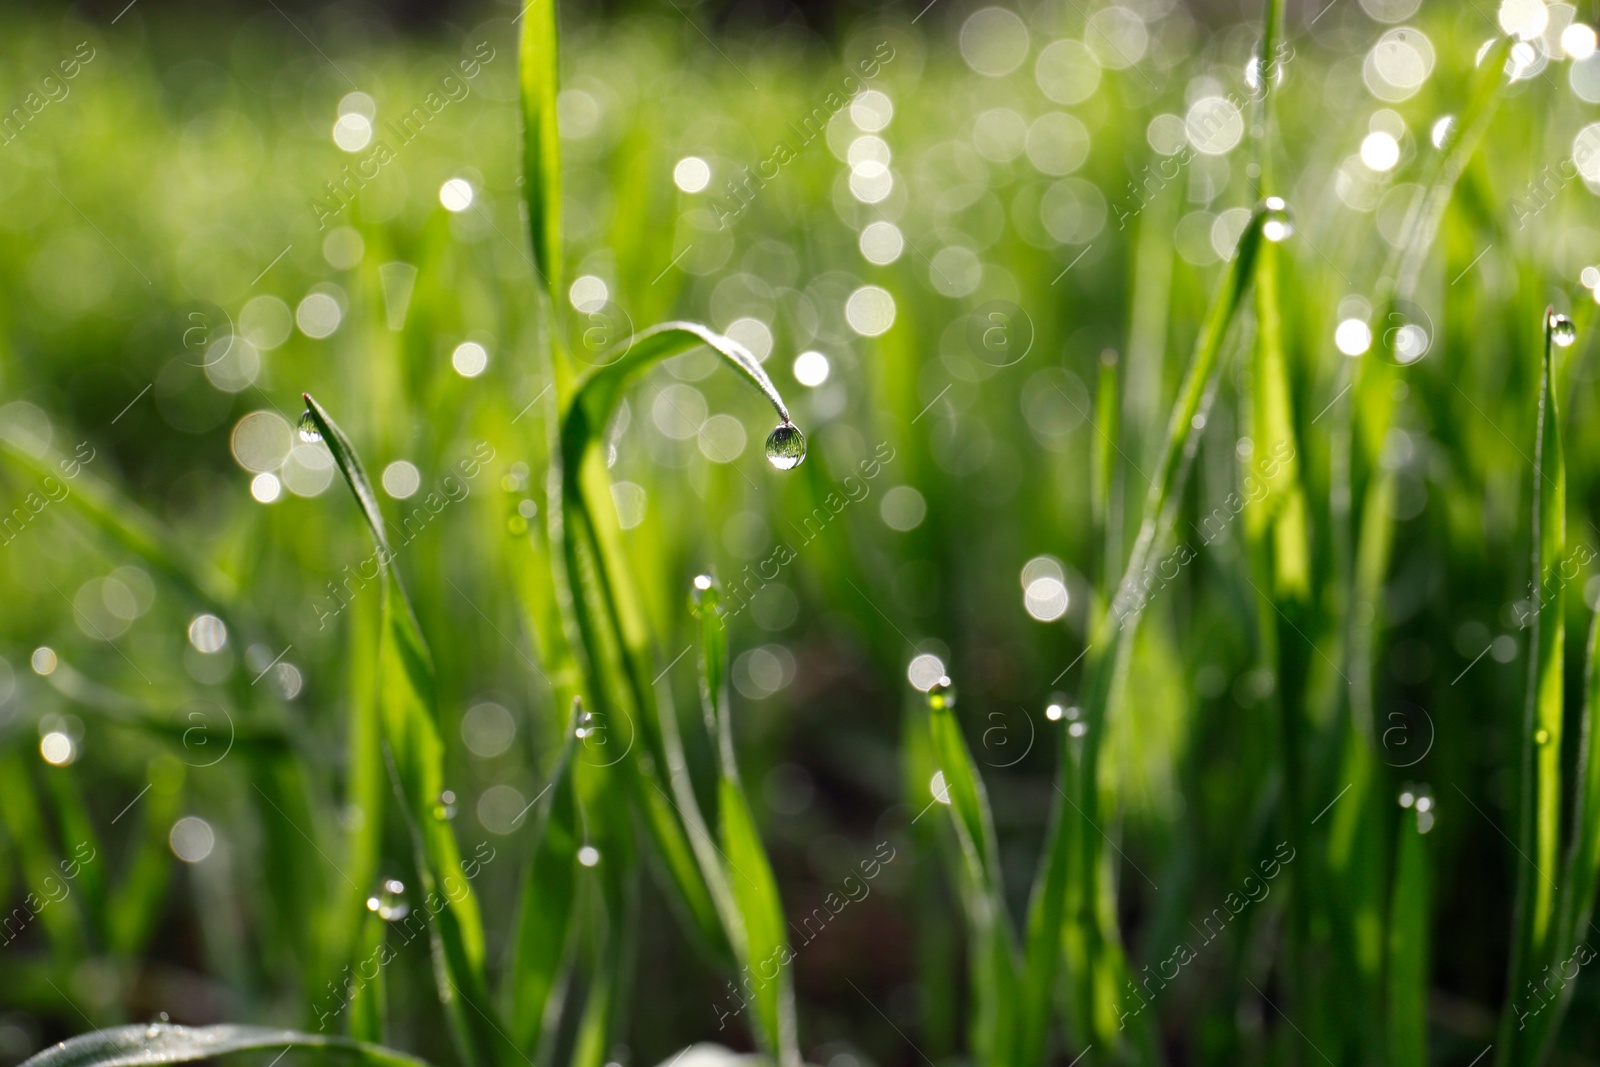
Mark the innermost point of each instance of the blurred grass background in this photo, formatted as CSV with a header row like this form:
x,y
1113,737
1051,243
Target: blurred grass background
x,y
177,270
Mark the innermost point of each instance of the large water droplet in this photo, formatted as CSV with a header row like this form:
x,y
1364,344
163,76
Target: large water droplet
x,y
1562,331
1277,223
308,428
942,694
786,446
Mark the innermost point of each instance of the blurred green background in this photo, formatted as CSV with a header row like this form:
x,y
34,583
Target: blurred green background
x,y
219,209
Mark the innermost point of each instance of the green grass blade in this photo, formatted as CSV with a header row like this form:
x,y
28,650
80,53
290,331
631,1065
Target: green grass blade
x,y
547,921
1074,876
1406,1002
992,950
756,920
1534,923
416,753
609,623
157,1043
539,75
1581,875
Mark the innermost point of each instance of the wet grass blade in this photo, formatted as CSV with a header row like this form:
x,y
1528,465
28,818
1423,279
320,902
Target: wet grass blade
x,y
1534,923
756,921
416,754
609,624
1071,882
992,951
143,1045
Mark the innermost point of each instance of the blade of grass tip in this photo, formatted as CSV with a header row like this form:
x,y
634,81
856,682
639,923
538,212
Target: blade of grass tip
x,y
416,753
549,917
539,75
1079,879
143,1045
756,921
606,617
992,952
1406,1002
1534,923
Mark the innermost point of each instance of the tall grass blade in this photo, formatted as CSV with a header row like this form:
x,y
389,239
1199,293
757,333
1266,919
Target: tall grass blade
x,y
992,945
1535,918
538,73
416,755
1074,875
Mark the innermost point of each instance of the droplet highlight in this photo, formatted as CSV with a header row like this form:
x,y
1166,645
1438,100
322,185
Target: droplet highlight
x,y
1562,330
1277,224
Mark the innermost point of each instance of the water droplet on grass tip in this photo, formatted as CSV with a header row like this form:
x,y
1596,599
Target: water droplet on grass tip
x,y
786,446
308,428
1562,331
942,694
1276,223
704,597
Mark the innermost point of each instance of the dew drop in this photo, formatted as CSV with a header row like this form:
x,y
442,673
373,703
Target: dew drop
x,y
942,695
1562,331
387,903
1542,737
445,809
588,855
704,597
308,428
786,446
1277,224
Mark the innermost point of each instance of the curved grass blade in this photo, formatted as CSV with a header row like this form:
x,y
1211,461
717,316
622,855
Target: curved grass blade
x,y
538,73
755,919
416,753
142,1045
609,623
